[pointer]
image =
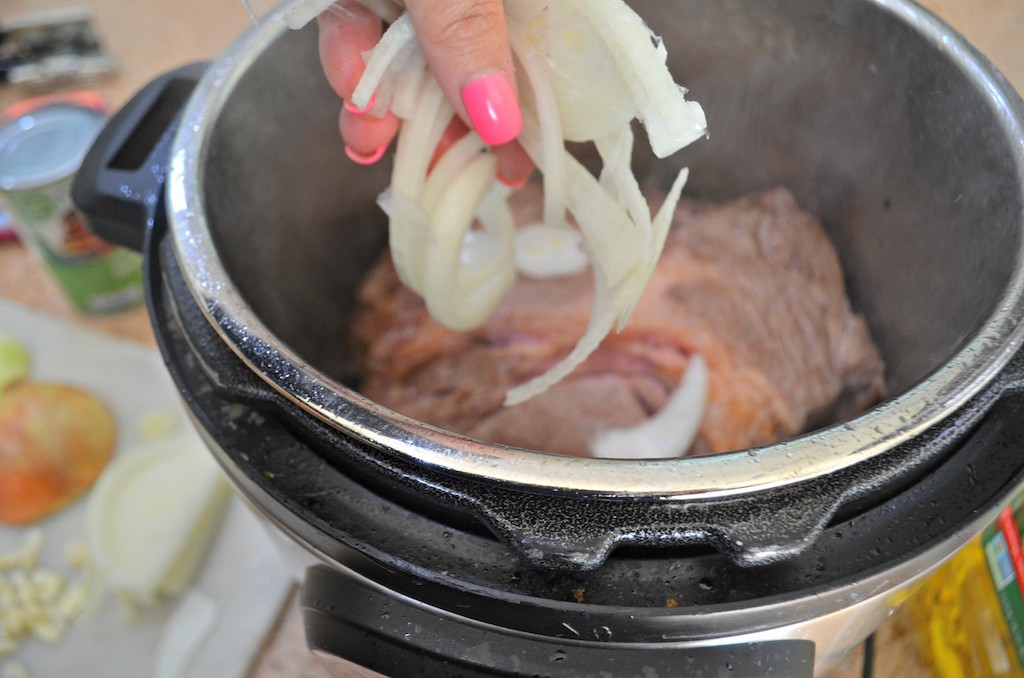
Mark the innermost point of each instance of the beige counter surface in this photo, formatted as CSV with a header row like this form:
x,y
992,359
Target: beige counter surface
x,y
149,37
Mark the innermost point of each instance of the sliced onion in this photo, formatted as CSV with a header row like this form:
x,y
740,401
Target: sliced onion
x,y
387,10
660,227
593,99
410,227
447,169
602,319
548,129
298,13
672,122
618,179
586,67
460,291
543,252
615,241
669,433
398,41
409,85
451,219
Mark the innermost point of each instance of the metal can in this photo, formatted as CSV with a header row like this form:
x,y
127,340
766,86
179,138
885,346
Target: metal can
x,y
40,152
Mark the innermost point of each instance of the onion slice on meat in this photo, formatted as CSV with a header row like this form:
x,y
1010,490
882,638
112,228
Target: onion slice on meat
x,y
670,432
544,252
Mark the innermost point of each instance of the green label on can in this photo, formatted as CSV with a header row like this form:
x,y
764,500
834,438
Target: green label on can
x,y
95,275
104,285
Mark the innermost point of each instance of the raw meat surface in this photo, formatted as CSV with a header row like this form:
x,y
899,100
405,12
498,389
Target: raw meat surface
x,y
753,285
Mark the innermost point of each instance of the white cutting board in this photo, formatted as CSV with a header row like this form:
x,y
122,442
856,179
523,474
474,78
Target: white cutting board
x,y
244,575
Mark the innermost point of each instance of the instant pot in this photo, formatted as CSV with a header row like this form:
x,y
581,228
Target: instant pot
x,y
444,555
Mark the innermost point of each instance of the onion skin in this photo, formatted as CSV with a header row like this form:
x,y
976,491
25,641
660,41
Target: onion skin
x,y
55,439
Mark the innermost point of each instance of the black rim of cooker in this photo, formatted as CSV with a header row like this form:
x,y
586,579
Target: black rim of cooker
x,y
412,530
687,565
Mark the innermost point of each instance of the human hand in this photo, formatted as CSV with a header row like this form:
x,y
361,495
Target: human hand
x,y
467,47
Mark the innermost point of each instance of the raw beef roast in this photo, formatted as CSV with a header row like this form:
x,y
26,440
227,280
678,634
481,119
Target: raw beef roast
x,y
754,286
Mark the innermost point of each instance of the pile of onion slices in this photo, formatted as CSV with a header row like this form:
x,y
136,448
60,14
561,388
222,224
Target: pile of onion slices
x,y
585,69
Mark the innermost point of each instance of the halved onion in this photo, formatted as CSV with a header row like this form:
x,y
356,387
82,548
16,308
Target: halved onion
x,y
151,519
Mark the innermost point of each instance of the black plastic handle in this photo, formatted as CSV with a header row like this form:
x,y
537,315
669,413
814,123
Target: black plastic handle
x,y
120,185
354,621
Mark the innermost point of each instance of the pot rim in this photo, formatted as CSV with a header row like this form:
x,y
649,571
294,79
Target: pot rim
x,y
813,455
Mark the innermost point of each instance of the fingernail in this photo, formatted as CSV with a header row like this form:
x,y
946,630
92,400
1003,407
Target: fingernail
x,y
514,184
361,159
352,108
493,109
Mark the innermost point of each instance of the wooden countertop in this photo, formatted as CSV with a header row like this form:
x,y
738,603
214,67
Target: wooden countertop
x,y
150,36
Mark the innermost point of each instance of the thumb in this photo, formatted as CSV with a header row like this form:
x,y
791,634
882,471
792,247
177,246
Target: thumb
x,y
466,44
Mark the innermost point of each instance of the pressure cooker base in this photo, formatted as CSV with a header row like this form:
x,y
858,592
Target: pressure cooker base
x,y
357,508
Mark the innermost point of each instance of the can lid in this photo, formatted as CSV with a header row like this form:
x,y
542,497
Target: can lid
x,y
45,145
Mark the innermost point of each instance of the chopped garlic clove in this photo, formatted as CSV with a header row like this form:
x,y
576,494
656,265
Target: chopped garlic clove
x,y
156,424
35,602
77,554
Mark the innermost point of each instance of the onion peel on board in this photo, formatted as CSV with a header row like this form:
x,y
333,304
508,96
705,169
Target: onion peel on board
x,y
586,69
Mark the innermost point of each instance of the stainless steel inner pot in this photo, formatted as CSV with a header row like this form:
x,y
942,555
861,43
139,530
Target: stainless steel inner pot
x,y
885,123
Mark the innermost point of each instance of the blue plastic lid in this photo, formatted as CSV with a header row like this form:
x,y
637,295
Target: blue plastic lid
x,y
45,145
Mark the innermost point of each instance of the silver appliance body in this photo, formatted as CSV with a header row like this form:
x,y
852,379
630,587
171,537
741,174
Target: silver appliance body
x,y
882,120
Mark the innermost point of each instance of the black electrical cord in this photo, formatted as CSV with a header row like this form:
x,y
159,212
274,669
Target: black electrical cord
x,y
868,669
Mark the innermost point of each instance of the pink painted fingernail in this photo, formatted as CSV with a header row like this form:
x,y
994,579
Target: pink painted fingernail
x,y
514,184
352,108
361,159
493,109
